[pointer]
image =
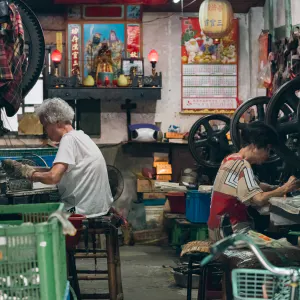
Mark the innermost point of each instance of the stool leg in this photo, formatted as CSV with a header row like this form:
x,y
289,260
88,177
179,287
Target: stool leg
x,y
189,280
202,284
118,269
73,272
111,267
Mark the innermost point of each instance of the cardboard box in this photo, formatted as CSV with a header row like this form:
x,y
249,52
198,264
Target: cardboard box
x,y
150,196
164,178
165,169
174,135
160,163
162,157
145,186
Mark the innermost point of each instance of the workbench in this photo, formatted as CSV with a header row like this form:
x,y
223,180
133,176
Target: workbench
x,y
40,190
285,218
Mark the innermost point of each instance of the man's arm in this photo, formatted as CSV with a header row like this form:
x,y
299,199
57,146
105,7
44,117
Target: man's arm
x,y
267,187
263,198
51,177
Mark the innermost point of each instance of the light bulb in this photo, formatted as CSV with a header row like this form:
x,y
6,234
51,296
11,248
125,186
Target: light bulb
x,y
176,1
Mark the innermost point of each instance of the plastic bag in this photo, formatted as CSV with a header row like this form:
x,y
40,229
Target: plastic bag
x,y
265,77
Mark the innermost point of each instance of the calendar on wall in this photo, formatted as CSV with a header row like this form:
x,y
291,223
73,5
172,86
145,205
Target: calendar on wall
x,y
209,70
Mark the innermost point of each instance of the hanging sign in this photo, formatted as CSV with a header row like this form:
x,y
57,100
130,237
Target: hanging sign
x,y
74,49
59,42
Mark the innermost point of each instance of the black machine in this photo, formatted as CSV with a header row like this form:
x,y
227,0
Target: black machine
x,y
209,144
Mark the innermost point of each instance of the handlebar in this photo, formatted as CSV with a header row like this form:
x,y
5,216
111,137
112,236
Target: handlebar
x,y
222,245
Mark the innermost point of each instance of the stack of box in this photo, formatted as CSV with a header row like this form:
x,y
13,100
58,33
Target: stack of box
x,y
154,202
162,167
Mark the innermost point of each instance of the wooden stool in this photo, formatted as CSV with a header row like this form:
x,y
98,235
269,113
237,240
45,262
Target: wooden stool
x,y
107,225
195,252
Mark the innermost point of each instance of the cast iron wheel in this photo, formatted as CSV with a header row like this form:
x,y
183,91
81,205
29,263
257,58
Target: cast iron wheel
x,y
34,46
260,103
207,145
286,127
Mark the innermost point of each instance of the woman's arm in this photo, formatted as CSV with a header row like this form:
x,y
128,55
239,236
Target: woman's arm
x,y
53,176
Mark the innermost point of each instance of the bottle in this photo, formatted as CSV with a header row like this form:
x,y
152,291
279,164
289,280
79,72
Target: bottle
x,y
160,135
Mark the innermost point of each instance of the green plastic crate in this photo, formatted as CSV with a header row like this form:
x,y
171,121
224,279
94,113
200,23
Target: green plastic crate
x,y
247,284
180,234
199,233
32,256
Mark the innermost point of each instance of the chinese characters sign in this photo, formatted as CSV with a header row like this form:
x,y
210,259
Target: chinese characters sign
x,y
74,49
133,40
209,69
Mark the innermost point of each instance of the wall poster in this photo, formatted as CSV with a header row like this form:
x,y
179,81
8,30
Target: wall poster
x,y
133,40
209,70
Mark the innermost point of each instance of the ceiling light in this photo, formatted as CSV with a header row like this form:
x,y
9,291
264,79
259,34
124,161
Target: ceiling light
x,y
176,1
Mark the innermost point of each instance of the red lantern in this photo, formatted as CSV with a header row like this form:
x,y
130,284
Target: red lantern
x,y
153,56
56,56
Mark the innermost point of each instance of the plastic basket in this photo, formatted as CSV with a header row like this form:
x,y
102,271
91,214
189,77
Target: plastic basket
x,y
197,206
247,284
32,255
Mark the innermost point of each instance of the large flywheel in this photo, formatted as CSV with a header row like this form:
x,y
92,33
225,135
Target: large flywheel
x,y
287,127
208,142
34,46
257,107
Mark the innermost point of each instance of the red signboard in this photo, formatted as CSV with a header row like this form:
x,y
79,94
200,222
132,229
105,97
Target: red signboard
x,y
133,40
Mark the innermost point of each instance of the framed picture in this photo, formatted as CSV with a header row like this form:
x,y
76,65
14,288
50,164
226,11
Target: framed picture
x,y
128,64
95,36
134,12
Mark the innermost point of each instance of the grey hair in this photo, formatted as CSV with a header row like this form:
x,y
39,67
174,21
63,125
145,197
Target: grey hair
x,y
55,110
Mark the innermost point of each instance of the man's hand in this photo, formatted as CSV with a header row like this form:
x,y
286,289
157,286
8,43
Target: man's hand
x,y
291,185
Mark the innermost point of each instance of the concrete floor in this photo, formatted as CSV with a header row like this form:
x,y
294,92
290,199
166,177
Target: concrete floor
x,y
145,273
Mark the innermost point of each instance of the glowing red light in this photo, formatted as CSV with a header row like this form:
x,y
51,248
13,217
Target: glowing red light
x,y
153,56
56,56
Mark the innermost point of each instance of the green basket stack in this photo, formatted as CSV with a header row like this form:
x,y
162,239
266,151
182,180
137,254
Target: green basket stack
x,y
32,253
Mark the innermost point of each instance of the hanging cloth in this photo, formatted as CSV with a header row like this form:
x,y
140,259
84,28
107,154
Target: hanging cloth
x,y
13,62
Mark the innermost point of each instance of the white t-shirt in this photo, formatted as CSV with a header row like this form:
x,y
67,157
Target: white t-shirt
x,y
85,184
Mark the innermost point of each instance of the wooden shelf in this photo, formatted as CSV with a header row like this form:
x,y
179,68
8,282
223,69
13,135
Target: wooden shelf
x,y
106,94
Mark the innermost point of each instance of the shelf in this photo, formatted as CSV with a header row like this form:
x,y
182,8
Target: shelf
x,y
106,94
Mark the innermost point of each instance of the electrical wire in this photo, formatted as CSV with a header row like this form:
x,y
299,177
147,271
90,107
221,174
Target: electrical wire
x,y
169,16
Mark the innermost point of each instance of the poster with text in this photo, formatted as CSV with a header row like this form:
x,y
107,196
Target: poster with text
x,y
209,79
196,48
95,36
133,40
263,50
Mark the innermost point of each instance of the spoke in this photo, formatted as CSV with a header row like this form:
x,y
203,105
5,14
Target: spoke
x,y
241,125
288,127
208,128
283,119
201,143
261,112
225,129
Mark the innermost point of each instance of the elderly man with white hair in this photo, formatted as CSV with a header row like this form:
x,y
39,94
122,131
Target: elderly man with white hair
x,y
79,168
